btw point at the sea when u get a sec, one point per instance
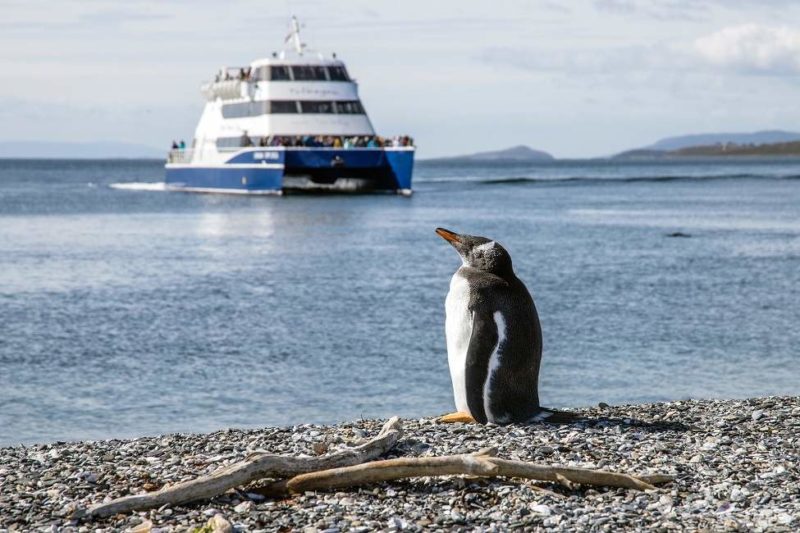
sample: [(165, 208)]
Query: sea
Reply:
[(126, 310)]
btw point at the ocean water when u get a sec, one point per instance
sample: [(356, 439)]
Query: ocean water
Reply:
[(126, 310)]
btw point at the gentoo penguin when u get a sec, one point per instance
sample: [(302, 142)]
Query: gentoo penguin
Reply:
[(494, 340)]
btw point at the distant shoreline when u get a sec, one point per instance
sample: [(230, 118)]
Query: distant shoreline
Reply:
[(615, 159)]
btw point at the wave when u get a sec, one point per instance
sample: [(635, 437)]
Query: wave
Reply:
[(140, 186), (521, 180)]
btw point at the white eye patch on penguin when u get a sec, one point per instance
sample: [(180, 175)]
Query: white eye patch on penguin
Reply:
[(479, 252)]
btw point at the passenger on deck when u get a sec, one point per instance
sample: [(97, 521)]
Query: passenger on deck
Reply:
[(348, 143), (246, 140), (337, 142), (182, 145), (372, 143), (174, 145)]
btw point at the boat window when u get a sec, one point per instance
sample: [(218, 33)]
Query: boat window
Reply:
[(261, 73), (245, 109), (283, 106), (309, 72), (314, 106), (349, 108), (254, 109), (337, 74), (279, 73), (230, 142)]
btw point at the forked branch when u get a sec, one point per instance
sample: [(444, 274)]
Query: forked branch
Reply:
[(256, 466)]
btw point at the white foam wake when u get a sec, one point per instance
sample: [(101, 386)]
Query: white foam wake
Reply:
[(140, 186)]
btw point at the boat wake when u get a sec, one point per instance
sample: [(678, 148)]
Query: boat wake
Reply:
[(140, 186)]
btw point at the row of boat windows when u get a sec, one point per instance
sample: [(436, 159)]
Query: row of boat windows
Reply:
[(253, 109), (300, 73)]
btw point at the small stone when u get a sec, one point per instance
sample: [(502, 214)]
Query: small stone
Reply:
[(737, 495), (726, 507), (757, 414), (244, 507), (541, 509), (396, 522), (319, 448), (144, 527), (219, 524)]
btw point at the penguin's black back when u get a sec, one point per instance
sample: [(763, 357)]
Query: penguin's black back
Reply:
[(513, 394)]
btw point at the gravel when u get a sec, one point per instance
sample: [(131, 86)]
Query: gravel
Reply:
[(736, 464)]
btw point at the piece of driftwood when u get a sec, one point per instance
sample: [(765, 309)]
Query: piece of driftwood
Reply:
[(480, 464), (280, 488), (255, 466)]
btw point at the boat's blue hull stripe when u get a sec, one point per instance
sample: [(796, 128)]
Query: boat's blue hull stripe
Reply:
[(226, 178), (263, 169)]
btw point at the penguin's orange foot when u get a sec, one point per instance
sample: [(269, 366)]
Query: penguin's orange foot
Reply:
[(460, 416)]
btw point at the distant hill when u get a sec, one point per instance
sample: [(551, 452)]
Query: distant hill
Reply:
[(515, 153), (729, 149), (708, 139), (78, 150), (705, 143)]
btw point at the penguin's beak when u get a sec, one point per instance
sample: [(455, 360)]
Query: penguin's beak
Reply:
[(448, 235)]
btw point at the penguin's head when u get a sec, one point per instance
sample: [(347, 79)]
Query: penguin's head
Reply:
[(479, 252)]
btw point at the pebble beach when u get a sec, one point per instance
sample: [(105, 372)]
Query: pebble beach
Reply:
[(736, 464)]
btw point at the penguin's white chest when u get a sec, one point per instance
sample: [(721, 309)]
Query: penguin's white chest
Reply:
[(458, 330)]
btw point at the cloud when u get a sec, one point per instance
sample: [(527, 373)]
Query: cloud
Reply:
[(657, 9), (691, 10), (752, 48), (609, 61)]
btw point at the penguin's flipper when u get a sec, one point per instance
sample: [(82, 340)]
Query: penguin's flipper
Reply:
[(482, 344), (460, 416)]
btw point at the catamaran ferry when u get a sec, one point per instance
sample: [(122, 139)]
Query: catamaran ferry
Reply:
[(286, 122)]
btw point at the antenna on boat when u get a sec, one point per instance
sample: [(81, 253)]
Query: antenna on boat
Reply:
[(294, 36)]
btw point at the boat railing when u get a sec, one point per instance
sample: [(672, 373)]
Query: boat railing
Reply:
[(180, 156)]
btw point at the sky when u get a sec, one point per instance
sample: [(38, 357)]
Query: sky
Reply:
[(577, 78)]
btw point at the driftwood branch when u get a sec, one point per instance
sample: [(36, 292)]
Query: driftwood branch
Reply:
[(280, 488), (256, 466), (469, 464), (350, 467)]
